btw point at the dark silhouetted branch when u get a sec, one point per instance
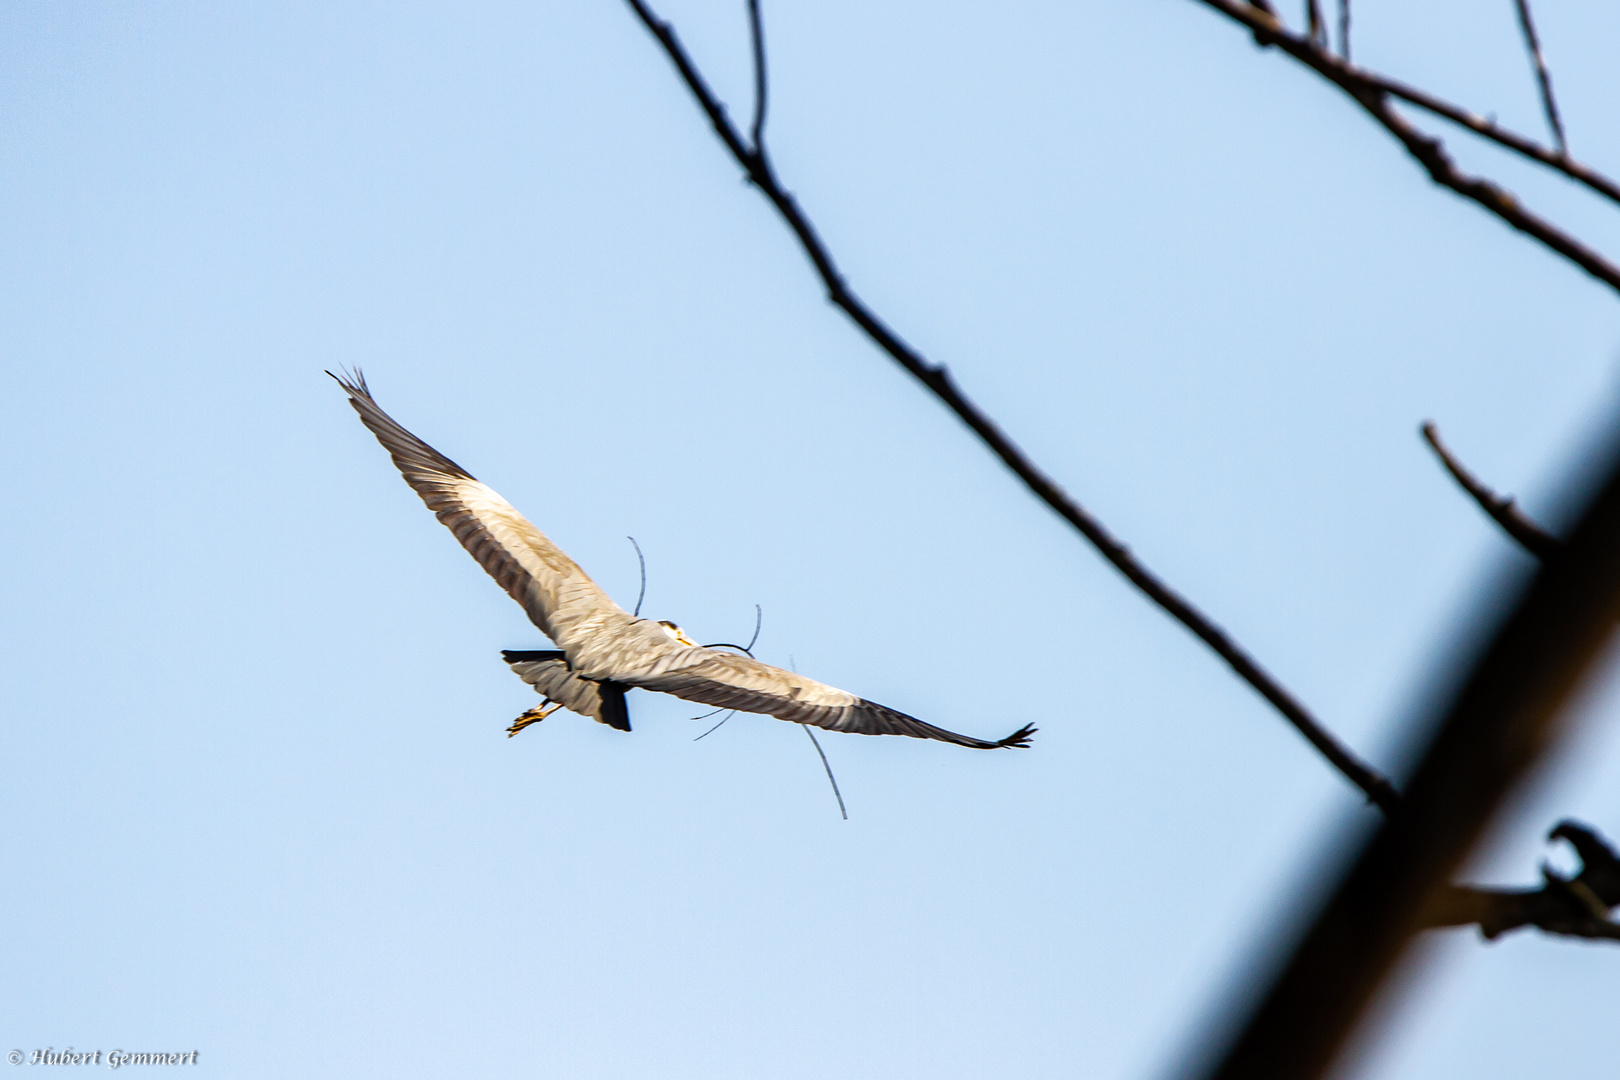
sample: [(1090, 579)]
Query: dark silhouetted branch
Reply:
[(756, 33), (1577, 907), (1317, 31), (1532, 537), (1532, 45), (1268, 30), (1373, 93), (1488, 129), (756, 163), (1503, 717)]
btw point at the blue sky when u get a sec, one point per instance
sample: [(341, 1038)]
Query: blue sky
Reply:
[(260, 801)]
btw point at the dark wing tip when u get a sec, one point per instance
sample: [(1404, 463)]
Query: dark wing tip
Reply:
[(518, 656), (1020, 738), (354, 383), (615, 712), (413, 456)]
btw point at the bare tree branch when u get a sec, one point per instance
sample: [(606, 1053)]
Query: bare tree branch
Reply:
[(1504, 716), (1268, 30), (1373, 92), (756, 30), (1316, 24), (1532, 537), (1576, 907), (1533, 45), (756, 162), (1344, 30), (1430, 152), (1504, 137)]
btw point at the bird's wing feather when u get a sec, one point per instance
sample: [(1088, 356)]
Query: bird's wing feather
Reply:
[(558, 596), (745, 684)]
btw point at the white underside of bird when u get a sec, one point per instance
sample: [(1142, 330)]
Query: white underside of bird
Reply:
[(603, 650)]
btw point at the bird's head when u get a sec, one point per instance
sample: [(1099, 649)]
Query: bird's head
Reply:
[(676, 632)]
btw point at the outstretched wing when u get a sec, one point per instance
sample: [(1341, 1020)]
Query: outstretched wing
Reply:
[(559, 597), (745, 684)]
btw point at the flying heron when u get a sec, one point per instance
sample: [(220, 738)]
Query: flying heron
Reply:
[(603, 650)]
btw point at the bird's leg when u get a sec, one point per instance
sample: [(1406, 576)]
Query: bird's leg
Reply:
[(533, 716)]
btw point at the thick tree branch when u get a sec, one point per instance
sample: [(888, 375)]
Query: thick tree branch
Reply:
[(1504, 716), (1373, 93), (1576, 907), (938, 381), (1532, 45), (1532, 537)]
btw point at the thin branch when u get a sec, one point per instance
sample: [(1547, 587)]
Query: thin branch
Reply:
[(1344, 30), (1316, 24), (1506, 713), (756, 29), (938, 381), (1488, 129), (1269, 30), (1372, 92), (1532, 537), (831, 779), (1430, 152), (1533, 45)]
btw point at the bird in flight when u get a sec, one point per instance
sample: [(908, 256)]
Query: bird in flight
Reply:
[(602, 650)]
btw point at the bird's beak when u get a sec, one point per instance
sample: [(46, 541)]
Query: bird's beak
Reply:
[(684, 640)]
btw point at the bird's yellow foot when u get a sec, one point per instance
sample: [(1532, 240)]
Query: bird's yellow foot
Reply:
[(533, 716)]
